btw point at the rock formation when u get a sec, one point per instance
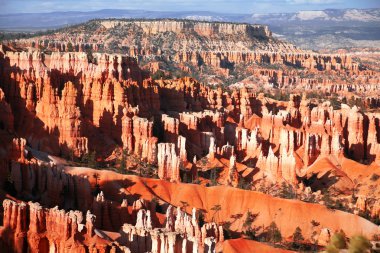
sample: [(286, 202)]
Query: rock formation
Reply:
[(62, 112), (168, 162)]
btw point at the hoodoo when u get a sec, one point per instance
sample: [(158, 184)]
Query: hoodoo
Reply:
[(179, 136)]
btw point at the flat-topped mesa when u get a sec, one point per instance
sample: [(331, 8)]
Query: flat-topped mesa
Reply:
[(201, 27)]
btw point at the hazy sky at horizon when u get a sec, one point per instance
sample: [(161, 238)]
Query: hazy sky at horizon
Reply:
[(224, 6)]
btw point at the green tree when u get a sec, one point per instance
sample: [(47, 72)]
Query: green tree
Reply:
[(97, 186), (329, 201), (158, 75), (92, 163), (201, 218), (70, 47), (227, 229), (331, 249), (314, 234), (287, 191), (359, 244), (213, 177), (274, 234), (339, 240), (243, 184), (90, 56), (216, 209), (247, 225), (89, 159), (123, 161), (248, 220), (297, 237), (72, 155), (352, 101), (184, 178), (335, 103)]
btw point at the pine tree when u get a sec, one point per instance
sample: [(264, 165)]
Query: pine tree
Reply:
[(92, 163), (123, 161), (297, 237), (70, 47), (339, 240), (274, 234), (216, 209), (247, 225)]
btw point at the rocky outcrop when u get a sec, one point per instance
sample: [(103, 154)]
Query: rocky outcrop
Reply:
[(51, 185), (137, 137), (355, 134), (74, 109), (6, 115), (30, 227), (70, 99), (18, 150), (186, 26), (181, 233), (269, 164), (232, 177), (77, 103), (373, 139), (168, 162)]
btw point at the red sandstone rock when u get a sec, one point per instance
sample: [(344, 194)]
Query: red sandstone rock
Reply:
[(138, 139), (168, 162), (44, 229), (62, 104)]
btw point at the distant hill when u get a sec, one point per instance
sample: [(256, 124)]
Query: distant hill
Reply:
[(327, 29), (329, 15), (332, 28), (216, 52), (37, 21)]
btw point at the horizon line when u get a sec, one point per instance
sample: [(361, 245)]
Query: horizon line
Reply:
[(183, 11)]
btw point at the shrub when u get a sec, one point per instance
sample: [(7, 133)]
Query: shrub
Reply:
[(339, 240), (359, 244), (374, 177), (158, 75), (331, 249)]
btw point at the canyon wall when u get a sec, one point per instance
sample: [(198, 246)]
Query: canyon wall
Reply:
[(65, 105)]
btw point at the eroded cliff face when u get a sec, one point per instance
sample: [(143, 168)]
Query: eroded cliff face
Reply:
[(66, 100), (30, 227), (69, 103), (64, 105), (126, 218), (216, 53), (186, 26)]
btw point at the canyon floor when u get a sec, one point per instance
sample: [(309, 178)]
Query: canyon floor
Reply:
[(168, 135)]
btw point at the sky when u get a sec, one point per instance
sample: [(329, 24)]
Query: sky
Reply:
[(223, 6)]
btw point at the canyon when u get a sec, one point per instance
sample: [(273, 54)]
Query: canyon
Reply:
[(216, 53), (98, 155)]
